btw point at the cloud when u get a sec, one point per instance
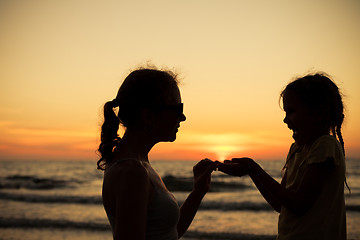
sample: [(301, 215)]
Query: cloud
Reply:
[(30, 142)]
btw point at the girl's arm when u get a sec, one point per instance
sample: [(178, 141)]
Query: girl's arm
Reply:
[(276, 194), (202, 178), (128, 193), (266, 192)]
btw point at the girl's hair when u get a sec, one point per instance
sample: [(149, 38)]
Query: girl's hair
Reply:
[(317, 91), (142, 88)]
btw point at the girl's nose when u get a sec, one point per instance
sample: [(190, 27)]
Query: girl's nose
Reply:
[(285, 119)]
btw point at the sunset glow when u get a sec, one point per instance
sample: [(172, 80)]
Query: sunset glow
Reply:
[(60, 61)]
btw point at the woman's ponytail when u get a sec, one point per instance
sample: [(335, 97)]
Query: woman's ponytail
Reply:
[(109, 134)]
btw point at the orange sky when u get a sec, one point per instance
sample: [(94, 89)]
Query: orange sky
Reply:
[(60, 61)]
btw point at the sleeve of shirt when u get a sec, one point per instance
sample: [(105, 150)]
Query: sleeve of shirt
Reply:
[(325, 149)]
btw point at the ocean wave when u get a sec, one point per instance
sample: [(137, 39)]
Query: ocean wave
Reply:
[(183, 184), (229, 236), (34, 198), (235, 206), (205, 205), (31, 182), (174, 184), (24, 223), (50, 223)]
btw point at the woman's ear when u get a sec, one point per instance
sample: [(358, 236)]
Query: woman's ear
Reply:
[(147, 120), (146, 116)]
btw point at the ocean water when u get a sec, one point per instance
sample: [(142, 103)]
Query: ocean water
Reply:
[(62, 200)]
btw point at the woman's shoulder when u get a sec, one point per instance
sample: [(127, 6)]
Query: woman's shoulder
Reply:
[(127, 169), (126, 180)]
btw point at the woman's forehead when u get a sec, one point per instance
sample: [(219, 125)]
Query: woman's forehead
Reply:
[(173, 96)]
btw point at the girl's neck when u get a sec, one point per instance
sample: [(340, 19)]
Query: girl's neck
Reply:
[(307, 146)]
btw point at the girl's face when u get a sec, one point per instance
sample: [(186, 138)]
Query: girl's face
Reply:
[(304, 122)]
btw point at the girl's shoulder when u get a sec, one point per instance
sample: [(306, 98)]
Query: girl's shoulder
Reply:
[(326, 139), (326, 148), (325, 142)]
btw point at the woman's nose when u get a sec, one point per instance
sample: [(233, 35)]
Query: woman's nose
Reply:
[(182, 117)]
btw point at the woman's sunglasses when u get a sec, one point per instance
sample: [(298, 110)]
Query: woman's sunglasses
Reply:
[(179, 108)]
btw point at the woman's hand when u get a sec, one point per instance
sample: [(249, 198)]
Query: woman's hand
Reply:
[(202, 175), (237, 166), (202, 178)]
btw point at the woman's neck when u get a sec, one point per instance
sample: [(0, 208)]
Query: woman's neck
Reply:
[(134, 145)]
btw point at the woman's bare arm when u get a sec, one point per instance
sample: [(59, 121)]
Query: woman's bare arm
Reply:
[(202, 178)]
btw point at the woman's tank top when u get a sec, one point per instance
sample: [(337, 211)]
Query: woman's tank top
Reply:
[(163, 210)]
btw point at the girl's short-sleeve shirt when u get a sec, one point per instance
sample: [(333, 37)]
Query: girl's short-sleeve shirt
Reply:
[(326, 218)]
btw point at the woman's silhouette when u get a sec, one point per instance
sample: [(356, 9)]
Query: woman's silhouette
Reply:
[(137, 202)]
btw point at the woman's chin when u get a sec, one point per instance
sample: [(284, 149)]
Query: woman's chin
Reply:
[(168, 138)]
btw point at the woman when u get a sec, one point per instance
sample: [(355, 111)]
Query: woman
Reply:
[(136, 201)]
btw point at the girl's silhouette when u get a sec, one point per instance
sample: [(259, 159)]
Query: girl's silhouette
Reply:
[(310, 198)]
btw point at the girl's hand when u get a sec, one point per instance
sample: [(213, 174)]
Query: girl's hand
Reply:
[(236, 166), (202, 175)]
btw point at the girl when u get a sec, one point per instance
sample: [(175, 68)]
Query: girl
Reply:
[(310, 198), (136, 201)]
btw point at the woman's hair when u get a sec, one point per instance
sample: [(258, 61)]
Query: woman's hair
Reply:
[(142, 88), (318, 91)]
